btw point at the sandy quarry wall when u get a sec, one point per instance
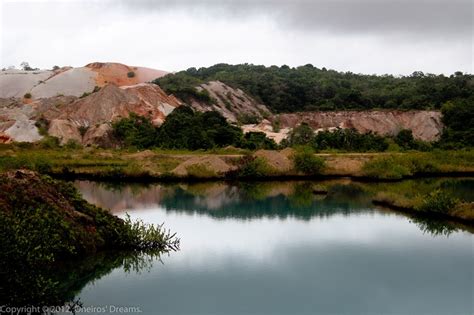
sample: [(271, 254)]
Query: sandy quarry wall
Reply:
[(426, 125)]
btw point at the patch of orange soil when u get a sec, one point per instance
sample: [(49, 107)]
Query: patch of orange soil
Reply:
[(116, 73)]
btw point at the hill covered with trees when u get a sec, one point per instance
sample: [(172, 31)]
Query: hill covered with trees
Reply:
[(307, 88)]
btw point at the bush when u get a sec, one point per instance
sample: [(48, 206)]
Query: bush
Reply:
[(131, 74), (349, 140), (72, 145), (385, 168), (438, 201), (252, 167), (301, 135), (307, 163), (49, 142), (405, 139), (135, 131), (43, 125), (35, 162), (256, 141), (27, 95)]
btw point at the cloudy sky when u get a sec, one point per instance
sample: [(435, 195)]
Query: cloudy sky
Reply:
[(362, 36)]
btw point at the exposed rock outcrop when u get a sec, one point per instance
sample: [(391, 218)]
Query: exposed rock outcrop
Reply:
[(233, 104), (426, 125), (85, 120), (94, 120)]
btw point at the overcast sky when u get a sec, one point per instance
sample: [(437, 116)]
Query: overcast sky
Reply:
[(367, 36)]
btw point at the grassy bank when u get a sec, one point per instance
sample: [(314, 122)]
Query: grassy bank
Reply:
[(433, 198), (46, 223), (162, 165)]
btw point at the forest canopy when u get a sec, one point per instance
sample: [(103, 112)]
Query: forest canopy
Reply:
[(307, 88)]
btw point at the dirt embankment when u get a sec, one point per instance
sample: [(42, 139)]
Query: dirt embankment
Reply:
[(426, 125)]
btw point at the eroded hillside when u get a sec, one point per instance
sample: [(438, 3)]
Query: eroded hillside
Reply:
[(81, 103)]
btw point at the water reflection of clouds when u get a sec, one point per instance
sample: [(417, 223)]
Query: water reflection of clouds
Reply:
[(259, 240), (366, 263), (265, 254)]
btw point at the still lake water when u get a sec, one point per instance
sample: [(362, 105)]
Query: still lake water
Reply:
[(277, 248)]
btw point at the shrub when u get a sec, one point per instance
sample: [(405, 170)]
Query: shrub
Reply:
[(385, 167), (49, 142), (301, 135), (248, 119), (136, 131), (83, 130), (405, 139), (43, 125), (257, 140), (252, 167), (145, 237), (27, 95), (72, 144), (131, 74), (42, 165), (438, 201), (349, 140), (307, 163)]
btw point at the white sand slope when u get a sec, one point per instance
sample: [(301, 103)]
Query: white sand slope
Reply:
[(16, 83), (72, 81)]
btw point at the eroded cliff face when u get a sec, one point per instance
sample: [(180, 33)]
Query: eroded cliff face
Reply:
[(86, 120), (234, 104), (426, 125)]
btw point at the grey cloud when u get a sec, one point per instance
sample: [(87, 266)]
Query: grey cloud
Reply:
[(419, 17)]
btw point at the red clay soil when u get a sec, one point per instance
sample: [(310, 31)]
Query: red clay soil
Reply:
[(116, 73)]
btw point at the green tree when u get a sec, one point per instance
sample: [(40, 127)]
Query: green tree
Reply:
[(301, 135), (135, 131)]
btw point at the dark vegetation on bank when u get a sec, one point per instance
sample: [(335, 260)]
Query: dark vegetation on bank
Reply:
[(430, 199), (190, 130), (305, 88), (185, 129), (46, 223)]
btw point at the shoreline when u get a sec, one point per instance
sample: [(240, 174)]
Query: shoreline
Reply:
[(169, 178), (411, 211)]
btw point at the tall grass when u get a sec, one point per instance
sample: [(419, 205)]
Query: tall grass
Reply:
[(398, 166)]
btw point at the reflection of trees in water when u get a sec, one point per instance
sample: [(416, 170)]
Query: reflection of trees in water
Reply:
[(267, 199), (435, 227), (59, 284), (246, 200)]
